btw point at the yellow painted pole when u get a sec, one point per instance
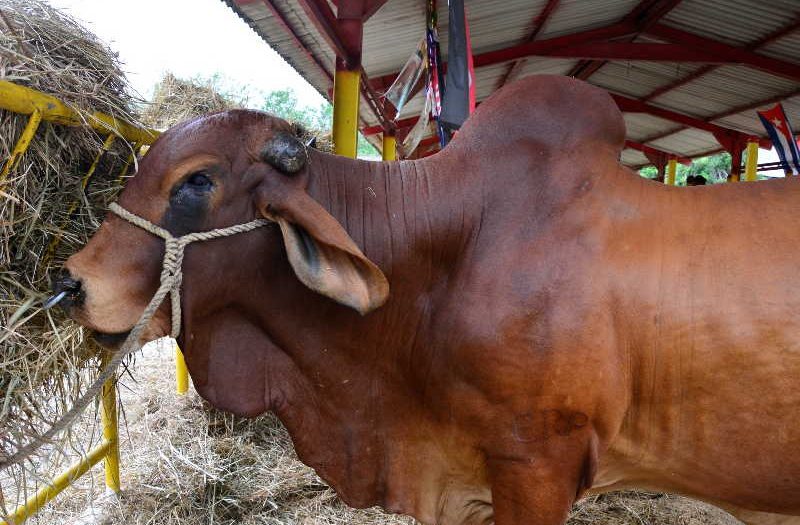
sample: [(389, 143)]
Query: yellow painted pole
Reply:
[(27, 101), (181, 372), (345, 112), (672, 170), (51, 248), (751, 165), (59, 483), (103, 150), (22, 145), (124, 171), (389, 147), (111, 434)]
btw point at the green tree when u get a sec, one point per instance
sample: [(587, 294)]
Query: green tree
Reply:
[(714, 168), (283, 103)]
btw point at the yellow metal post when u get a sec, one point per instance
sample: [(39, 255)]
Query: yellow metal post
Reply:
[(51, 248), (389, 147), (27, 101), (39, 106), (751, 165), (672, 170), (345, 112), (111, 434), (22, 144), (181, 373), (59, 483)]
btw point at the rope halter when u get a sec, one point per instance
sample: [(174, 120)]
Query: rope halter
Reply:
[(171, 270), (171, 277)]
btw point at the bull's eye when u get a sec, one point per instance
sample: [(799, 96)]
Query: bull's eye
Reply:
[(198, 181)]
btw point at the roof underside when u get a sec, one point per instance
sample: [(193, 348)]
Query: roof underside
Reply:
[(747, 57)]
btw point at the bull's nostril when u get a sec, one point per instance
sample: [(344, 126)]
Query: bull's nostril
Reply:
[(66, 291), (66, 283), (70, 285)]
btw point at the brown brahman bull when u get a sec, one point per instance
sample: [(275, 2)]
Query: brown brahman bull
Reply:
[(484, 335)]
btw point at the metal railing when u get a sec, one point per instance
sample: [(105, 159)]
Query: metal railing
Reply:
[(42, 107)]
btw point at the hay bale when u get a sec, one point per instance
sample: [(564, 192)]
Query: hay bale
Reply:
[(175, 100), (44, 358)]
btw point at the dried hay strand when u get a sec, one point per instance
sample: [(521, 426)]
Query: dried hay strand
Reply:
[(175, 100), (185, 463), (46, 214)]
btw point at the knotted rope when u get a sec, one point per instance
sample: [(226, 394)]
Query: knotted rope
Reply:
[(170, 283)]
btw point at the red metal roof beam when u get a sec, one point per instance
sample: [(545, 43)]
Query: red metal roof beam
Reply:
[(343, 32), (281, 21), (649, 12), (728, 52), (780, 33), (763, 143), (645, 14), (631, 105), (402, 123), (537, 47), (538, 23), (640, 51), (543, 47), (649, 150)]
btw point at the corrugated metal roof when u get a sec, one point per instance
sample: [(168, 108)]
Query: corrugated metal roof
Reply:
[(405, 22), (637, 79), (641, 125), (736, 22), (787, 48), (689, 142), (579, 15), (393, 33), (631, 157)]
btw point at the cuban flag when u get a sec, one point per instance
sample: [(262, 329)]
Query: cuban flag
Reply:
[(780, 131)]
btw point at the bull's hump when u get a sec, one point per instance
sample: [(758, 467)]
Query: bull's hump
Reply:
[(556, 111)]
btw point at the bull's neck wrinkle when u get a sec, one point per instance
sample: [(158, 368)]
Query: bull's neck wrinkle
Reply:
[(388, 208)]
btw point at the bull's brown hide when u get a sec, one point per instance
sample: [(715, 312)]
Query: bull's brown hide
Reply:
[(554, 322)]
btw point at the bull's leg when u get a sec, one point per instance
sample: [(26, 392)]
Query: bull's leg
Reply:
[(530, 493), (539, 485), (540, 489)]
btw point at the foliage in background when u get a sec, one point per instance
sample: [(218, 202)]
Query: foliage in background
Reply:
[(714, 168), (284, 103), (281, 102)]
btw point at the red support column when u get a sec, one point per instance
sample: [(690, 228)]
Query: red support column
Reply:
[(659, 160), (734, 143)]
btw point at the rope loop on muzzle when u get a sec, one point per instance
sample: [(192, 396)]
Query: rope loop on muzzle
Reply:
[(171, 270), (170, 283)]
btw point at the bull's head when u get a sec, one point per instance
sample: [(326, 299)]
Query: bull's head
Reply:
[(214, 172)]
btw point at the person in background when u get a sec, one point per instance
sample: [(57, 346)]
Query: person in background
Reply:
[(696, 180)]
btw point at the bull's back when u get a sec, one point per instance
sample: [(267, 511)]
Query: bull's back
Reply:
[(711, 294)]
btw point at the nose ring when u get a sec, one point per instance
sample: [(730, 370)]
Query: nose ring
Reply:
[(54, 300)]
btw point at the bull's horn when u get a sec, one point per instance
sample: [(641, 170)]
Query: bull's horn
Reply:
[(285, 153)]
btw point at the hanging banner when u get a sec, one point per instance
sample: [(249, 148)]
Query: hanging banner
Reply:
[(435, 75), (459, 102), (420, 129), (780, 131), (402, 87)]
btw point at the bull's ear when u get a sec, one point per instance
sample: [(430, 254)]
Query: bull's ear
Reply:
[(321, 253)]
